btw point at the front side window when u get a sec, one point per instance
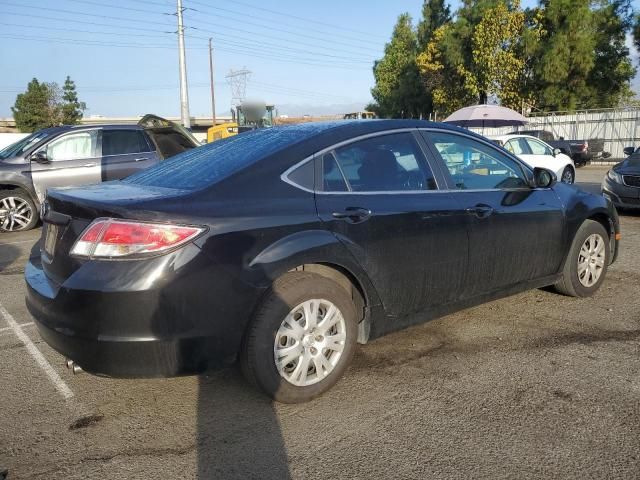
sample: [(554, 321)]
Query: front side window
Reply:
[(392, 162), (474, 165), (123, 142), (538, 148), (75, 146), (517, 146)]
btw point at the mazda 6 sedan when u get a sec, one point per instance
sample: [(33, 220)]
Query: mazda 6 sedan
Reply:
[(285, 247)]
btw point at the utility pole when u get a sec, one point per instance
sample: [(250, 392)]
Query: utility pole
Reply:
[(213, 96), (184, 93)]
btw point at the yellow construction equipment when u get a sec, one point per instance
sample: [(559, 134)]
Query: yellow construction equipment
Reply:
[(245, 117)]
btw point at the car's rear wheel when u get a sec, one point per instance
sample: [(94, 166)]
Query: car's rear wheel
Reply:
[(568, 175), (17, 211), (586, 265), (301, 339)]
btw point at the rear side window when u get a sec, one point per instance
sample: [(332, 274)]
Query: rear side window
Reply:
[(303, 175), (391, 162), (122, 142)]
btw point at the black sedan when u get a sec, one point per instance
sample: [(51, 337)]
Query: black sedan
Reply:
[(285, 247), (622, 183)]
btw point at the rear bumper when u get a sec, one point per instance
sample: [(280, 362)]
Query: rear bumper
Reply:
[(166, 330)]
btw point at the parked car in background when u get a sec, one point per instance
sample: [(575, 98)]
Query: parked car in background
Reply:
[(580, 151), (536, 153), (284, 247), (81, 154), (621, 184)]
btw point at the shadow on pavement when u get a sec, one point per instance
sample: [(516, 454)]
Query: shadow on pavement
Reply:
[(238, 430)]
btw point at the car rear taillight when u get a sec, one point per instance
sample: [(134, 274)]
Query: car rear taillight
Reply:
[(584, 147), (111, 238)]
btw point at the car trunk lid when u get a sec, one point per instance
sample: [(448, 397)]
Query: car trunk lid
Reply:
[(68, 212), (168, 137)]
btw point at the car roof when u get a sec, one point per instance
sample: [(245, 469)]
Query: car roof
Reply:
[(509, 136)]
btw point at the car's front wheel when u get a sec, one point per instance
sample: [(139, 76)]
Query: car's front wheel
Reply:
[(301, 339), (568, 175), (17, 211), (586, 265)]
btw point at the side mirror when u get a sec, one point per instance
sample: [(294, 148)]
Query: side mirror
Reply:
[(556, 151), (543, 178), (628, 150), (40, 157)]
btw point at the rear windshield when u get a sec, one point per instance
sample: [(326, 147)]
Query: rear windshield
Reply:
[(206, 165)]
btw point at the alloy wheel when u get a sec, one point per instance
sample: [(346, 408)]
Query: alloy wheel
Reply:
[(309, 342), (15, 214), (591, 260), (567, 176)]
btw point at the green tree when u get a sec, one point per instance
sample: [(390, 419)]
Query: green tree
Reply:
[(398, 91), (477, 57), (31, 110), (566, 54), (609, 79), (435, 13), (71, 108), (636, 32)]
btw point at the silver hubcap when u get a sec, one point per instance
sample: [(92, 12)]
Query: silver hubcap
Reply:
[(567, 176), (309, 342), (15, 213), (591, 260)]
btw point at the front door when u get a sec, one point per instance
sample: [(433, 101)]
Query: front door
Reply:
[(516, 232), (71, 159), (379, 197), (124, 152)]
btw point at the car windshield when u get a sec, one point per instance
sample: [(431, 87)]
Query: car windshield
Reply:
[(203, 166), (23, 145)]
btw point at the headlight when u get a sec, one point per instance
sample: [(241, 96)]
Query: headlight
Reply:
[(614, 176)]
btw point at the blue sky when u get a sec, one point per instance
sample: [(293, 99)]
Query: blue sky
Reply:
[(123, 56)]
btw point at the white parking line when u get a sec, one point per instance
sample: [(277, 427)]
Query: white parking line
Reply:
[(27, 324), (62, 387)]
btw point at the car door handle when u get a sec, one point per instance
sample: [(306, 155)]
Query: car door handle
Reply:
[(480, 210), (140, 159), (353, 214), (88, 165)]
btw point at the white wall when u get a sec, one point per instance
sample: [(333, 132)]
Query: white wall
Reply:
[(618, 127), (9, 138)]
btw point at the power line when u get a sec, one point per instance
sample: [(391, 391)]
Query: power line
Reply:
[(96, 43), (246, 15), (262, 50)]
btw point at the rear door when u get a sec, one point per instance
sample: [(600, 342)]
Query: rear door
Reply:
[(125, 151), (72, 159), (379, 196), (516, 232)]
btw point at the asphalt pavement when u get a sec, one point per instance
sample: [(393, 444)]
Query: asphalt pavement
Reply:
[(537, 385)]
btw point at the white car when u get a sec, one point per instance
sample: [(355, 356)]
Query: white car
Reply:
[(535, 153)]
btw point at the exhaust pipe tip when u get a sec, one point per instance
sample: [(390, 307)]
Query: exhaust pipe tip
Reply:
[(73, 366)]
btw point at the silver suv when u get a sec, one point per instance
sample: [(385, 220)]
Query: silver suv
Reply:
[(73, 155)]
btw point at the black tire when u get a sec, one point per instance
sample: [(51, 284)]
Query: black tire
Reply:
[(8, 224), (570, 283), (257, 356), (568, 175)]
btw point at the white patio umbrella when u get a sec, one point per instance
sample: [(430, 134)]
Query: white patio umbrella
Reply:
[(485, 116)]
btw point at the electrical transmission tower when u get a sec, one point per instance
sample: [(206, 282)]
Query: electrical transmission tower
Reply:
[(238, 79)]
